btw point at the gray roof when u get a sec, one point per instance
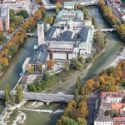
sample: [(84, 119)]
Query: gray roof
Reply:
[(67, 35), (102, 117), (40, 55), (84, 33)]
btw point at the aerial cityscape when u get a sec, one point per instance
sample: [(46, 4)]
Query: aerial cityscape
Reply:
[(62, 62)]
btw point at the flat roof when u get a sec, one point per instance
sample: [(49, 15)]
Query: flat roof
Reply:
[(40, 56), (60, 35), (66, 15), (60, 46)]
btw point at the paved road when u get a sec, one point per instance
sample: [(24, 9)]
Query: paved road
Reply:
[(91, 105)]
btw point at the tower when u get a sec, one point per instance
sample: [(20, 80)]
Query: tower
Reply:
[(40, 31), (7, 20)]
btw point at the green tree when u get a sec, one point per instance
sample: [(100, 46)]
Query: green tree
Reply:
[(13, 50), (7, 93), (78, 84), (12, 15), (19, 20), (79, 66), (81, 59), (2, 38), (23, 13), (49, 20), (76, 96), (82, 121), (19, 94)]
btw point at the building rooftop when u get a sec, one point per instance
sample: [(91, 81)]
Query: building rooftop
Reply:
[(102, 117), (61, 47), (66, 15), (112, 94), (40, 55), (68, 34)]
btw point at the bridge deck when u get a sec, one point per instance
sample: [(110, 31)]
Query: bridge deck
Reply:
[(44, 97)]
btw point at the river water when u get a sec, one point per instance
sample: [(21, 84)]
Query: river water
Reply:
[(12, 75)]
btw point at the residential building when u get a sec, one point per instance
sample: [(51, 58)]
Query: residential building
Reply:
[(109, 103)]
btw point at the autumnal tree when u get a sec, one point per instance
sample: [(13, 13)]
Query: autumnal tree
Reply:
[(50, 63), (58, 6), (49, 20), (83, 109), (30, 69), (121, 31)]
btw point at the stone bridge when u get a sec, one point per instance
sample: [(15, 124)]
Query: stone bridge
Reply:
[(44, 97)]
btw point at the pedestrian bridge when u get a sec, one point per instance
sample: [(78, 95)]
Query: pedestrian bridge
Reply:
[(31, 34), (44, 97), (105, 30)]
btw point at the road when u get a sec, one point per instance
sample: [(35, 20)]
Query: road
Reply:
[(91, 106)]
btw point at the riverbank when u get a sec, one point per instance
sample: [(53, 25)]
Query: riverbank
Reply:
[(112, 19), (119, 58)]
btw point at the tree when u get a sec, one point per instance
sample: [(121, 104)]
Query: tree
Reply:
[(7, 93), (79, 66), (78, 84), (19, 20), (82, 121), (12, 15), (83, 109), (39, 2), (66, 65), (76, 96), (71, 105), (50, 63), (99, 38), (49, 20), (2, 38), (81, 59), (23, 13), (30, 69), (13, 50), (66, 121), (121, 31), (58, 6), (19, 94)]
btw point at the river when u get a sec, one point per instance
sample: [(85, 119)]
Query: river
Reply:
[(12, 75)]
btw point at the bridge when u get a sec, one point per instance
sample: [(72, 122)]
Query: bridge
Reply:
[(89, 2), (43, 97), (105, 30), (31, 34)]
